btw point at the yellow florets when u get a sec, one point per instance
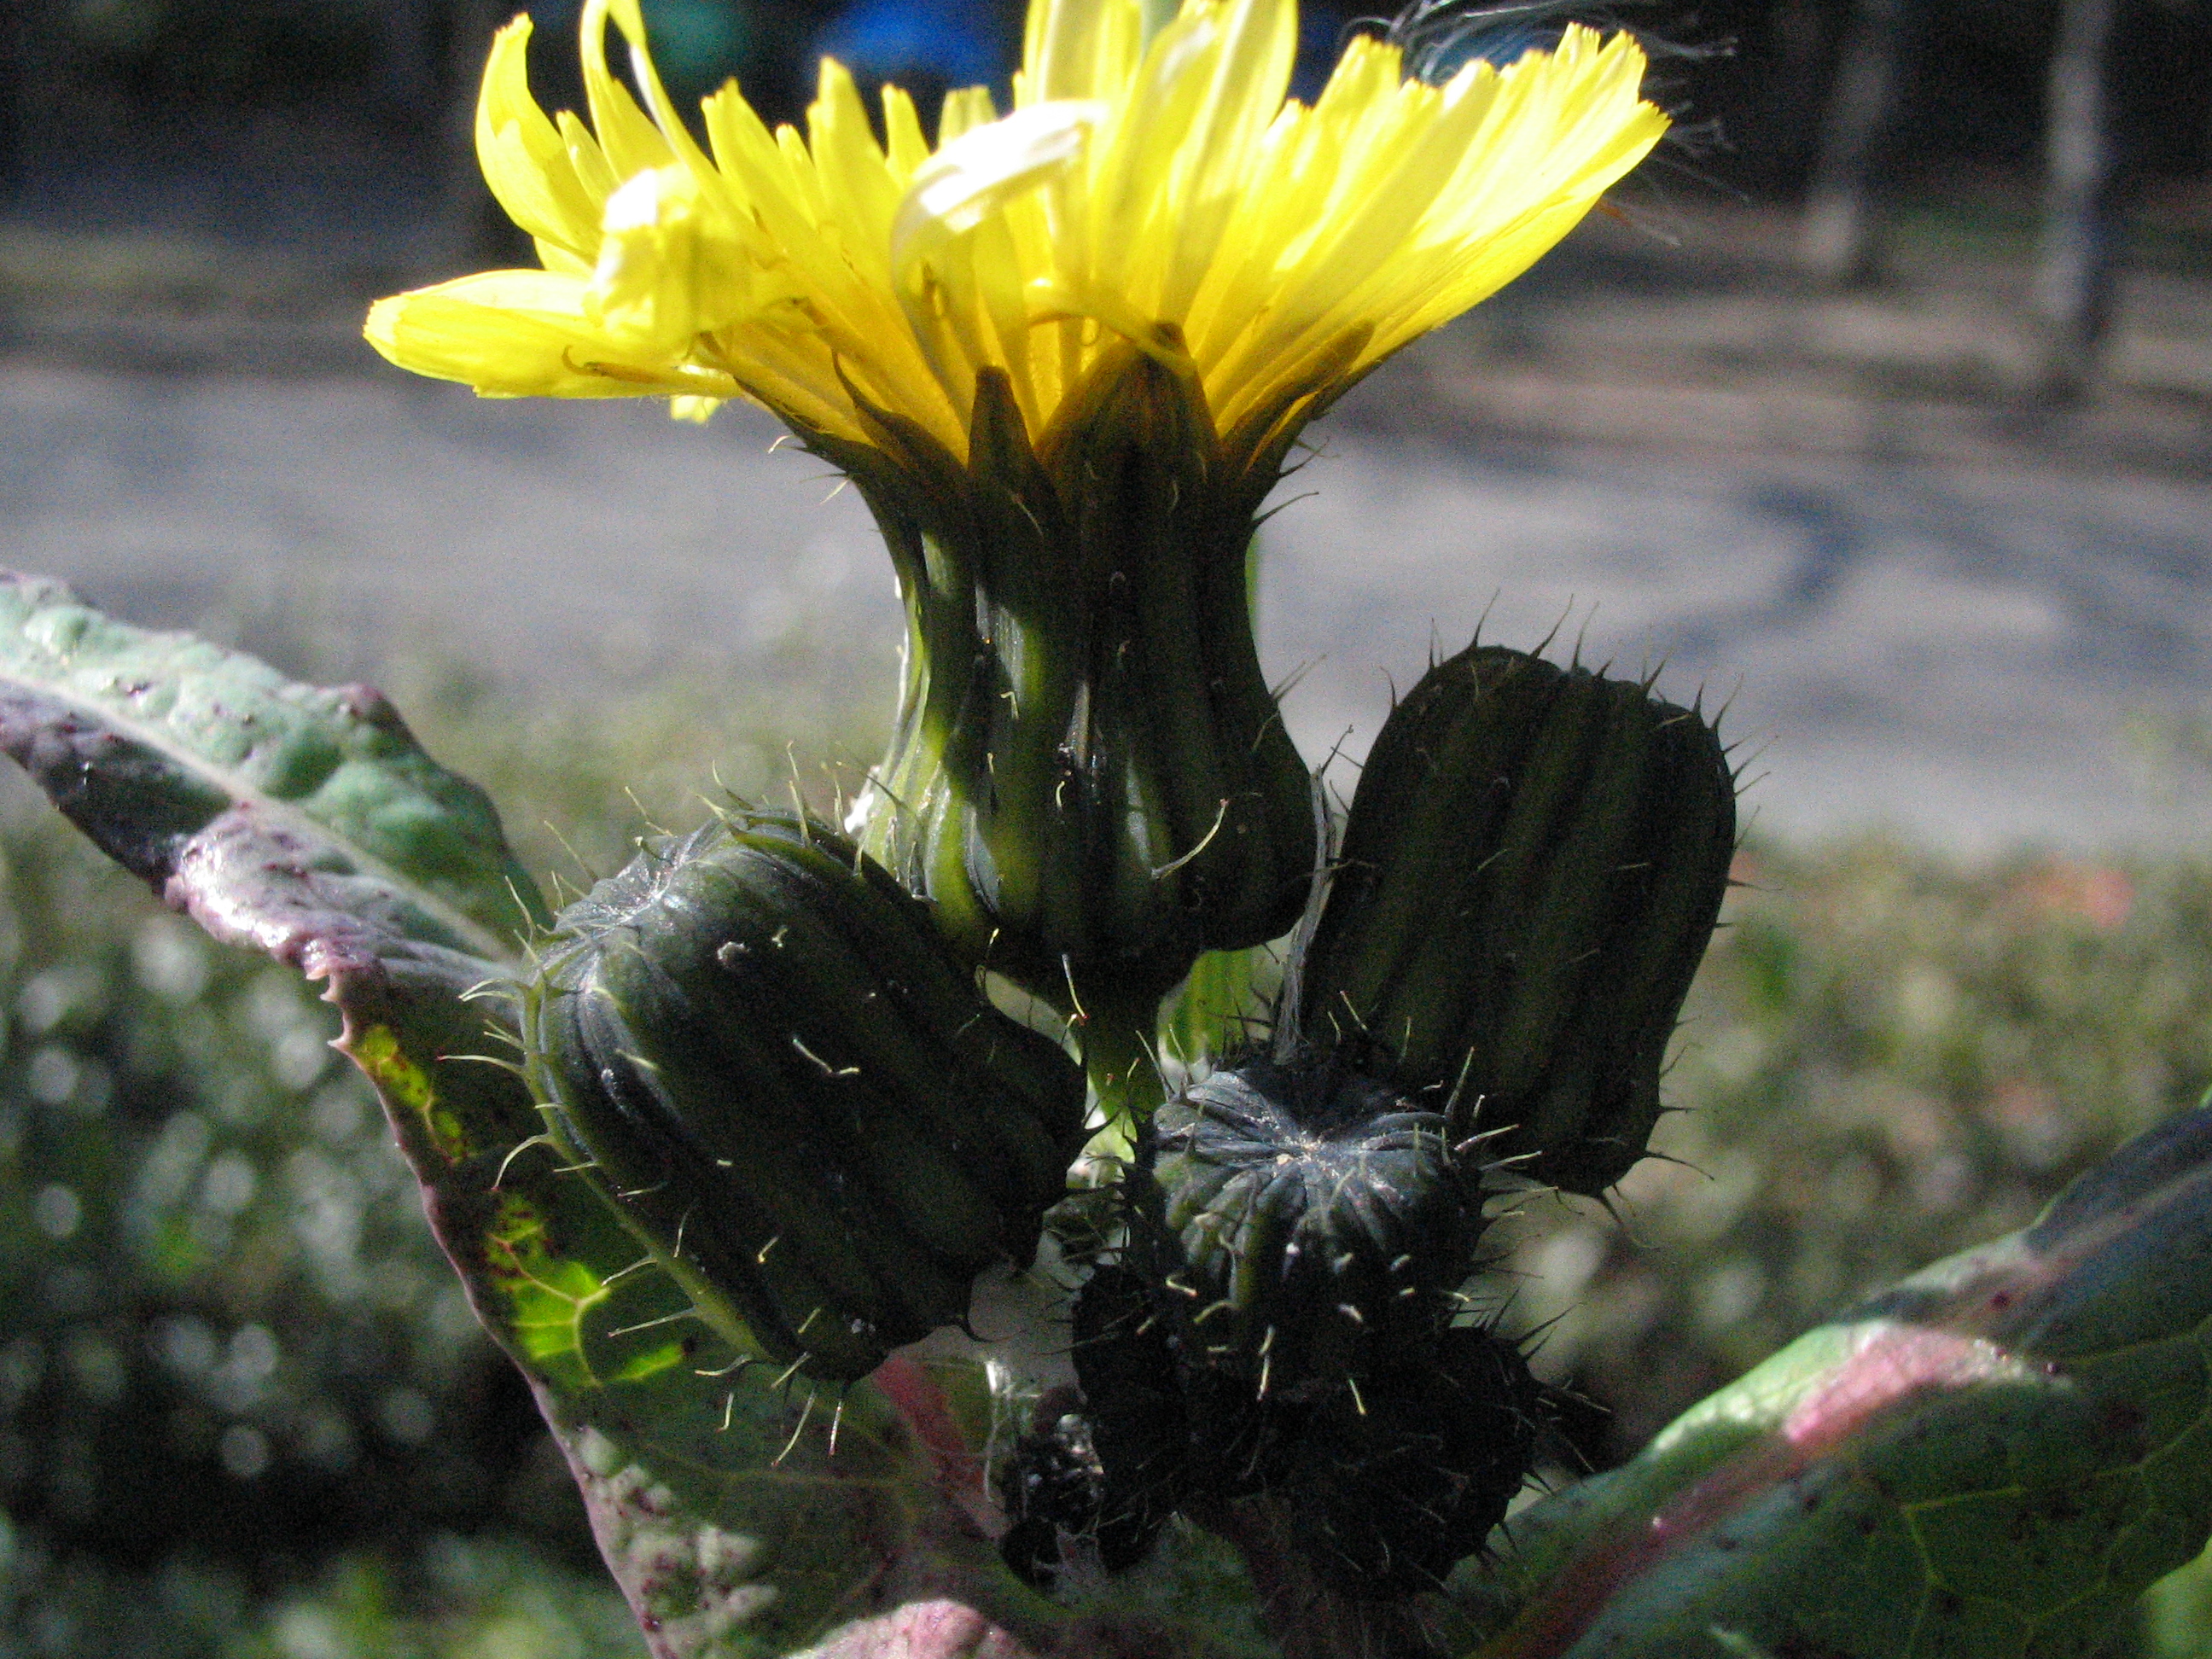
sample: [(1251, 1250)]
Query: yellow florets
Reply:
[(1162, 193)]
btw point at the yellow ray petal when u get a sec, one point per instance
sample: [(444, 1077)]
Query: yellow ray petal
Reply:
[(977, 173), (964, 107), (1080, 49), (632, 143), (522, 334), (524, 159)]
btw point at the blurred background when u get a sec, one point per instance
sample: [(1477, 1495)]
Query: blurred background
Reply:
[(1877, 408)]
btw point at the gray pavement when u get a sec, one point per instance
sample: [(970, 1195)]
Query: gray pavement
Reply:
[(1957, 649)]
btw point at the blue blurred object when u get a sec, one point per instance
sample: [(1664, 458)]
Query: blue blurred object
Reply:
[(1320, 35), (948, 42)]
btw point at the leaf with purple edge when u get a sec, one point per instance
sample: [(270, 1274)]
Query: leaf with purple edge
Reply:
[(303, 821), (740, 1517), (1996, 1457)]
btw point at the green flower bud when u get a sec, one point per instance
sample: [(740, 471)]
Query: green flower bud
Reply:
[(1311, 1215), (1089, 779), (1386, 1467), (1533, 862), (757, 1045)]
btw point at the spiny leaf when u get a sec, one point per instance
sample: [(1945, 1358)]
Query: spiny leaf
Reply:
[(741, 1515)]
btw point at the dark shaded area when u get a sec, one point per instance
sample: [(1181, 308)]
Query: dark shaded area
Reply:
[(1973, 93), (329, 138), (345, 122), (184, 183)]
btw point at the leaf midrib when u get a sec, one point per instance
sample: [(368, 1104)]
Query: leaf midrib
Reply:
[(479, 939)]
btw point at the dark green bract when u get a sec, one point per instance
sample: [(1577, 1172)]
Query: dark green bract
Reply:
[(1533, 863), (1089, 779), (758, 1046)]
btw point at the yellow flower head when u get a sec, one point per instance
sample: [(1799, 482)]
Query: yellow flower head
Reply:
[(1156, 194)]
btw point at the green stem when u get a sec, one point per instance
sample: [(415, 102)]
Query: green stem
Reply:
[(1120, 1052), (1308, 1619)]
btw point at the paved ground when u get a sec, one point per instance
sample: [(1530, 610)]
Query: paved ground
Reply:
[(1959, 648)]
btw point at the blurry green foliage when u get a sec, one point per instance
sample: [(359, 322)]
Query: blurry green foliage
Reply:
[(228, 1346), (454, 1598), (577, 784)]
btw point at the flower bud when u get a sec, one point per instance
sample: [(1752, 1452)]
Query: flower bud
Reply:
[(1389, 1453), (1125, 1359), (1312, 1215), (765, 1056), (1533, 862)]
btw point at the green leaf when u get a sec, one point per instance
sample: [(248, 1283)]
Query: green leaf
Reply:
[(300, 820), (1217, 1008), (1995, 1458), (742, 1516)]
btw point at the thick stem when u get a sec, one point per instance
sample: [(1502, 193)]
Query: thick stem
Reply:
[(1308, 1619), (1089, 776)]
